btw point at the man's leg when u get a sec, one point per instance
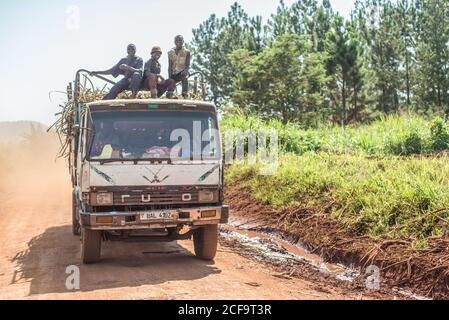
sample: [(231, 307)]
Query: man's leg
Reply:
[(168, 86), (119, 87), (185, 83), (135, 84), (185, 87), (176, 77), (151, 85), (171, 87)]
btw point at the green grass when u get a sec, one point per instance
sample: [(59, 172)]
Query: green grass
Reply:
[(377, 186), (392, 135), (391, 197)]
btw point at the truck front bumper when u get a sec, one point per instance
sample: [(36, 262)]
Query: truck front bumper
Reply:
[(137, 220)]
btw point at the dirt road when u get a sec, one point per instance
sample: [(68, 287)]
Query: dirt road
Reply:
[(37, 246)]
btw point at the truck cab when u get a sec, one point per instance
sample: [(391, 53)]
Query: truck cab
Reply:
[(147, 170)]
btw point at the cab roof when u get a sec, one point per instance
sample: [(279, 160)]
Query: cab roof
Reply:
[(149, 104)]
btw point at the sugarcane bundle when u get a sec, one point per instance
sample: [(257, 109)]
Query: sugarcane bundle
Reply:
[(64, 126)]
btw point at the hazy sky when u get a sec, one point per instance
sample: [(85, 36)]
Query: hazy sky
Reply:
[(42, 42)]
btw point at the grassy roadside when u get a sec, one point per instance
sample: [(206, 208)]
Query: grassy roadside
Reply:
[(393, 135), (384, 198), (376, 194), (388, 179)]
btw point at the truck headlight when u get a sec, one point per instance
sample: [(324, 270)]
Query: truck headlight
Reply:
[(102, 199), (206, 196)]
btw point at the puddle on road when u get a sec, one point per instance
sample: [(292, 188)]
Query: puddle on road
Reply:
[(411, 295), (271, 246)]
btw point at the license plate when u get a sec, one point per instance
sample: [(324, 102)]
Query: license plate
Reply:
[(156, 215)]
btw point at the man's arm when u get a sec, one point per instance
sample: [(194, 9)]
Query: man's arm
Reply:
[(170, 67), (114, 71), (147, 69), (188, 61), (138, 67), (185, 72), (130, 69), (106, 72), (152, 67)]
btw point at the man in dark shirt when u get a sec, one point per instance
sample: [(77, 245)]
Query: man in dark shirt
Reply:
[(131, 68), (153, 79)]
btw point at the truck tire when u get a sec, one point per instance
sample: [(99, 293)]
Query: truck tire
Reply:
[(90, 246), (205, 242), (76, 227)]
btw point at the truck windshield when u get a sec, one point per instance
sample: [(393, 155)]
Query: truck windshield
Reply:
[(135, 135)]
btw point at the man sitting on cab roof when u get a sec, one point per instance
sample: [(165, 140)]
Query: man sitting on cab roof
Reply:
[(131, 68), (179, 64), (154, 82)]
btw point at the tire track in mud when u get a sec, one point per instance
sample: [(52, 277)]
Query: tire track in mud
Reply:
[(253, 233), (289, 261)]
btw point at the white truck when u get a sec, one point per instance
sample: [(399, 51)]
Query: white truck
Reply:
[(147, 170)]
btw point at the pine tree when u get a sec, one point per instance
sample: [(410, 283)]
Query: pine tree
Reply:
[(406, 18), (215, 39), (285, 81), (390, 55), (433, 54)]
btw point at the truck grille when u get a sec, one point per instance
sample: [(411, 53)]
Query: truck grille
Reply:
[(155, 198)]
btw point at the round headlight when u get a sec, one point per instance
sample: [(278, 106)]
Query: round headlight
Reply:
[(105, 198), (206, 196)]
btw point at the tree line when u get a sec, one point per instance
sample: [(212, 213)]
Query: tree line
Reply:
[(307, 63)]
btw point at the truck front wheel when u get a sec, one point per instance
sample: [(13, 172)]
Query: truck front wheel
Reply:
[(205, 241), (90, 246)]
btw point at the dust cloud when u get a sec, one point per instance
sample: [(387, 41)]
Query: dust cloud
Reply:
[(29, 168)]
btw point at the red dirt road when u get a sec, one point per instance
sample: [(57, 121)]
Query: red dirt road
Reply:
[(37, 246)]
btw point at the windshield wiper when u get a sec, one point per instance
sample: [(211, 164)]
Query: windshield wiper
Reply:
[(103, 161), (136, 161), (153, 160)]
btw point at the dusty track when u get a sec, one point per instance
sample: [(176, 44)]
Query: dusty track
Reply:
[(37, 246)]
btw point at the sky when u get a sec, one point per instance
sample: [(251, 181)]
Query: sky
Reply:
[(43, 43)]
